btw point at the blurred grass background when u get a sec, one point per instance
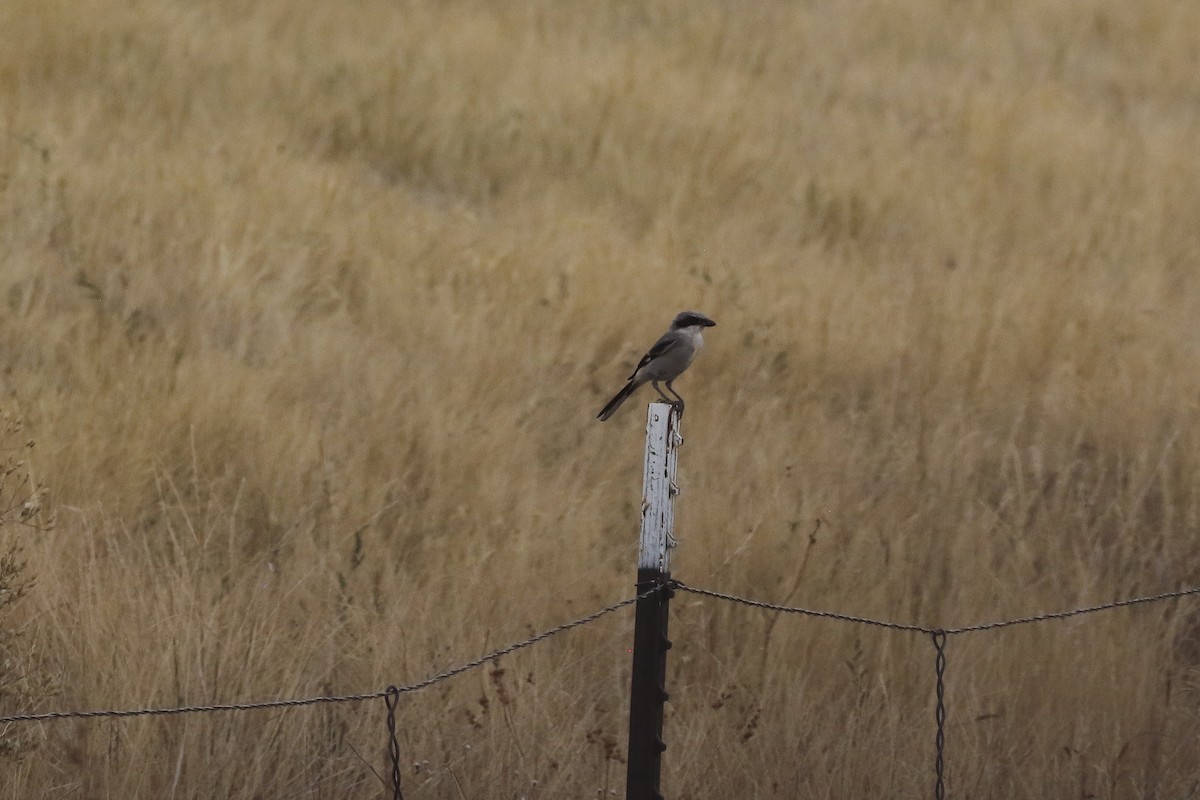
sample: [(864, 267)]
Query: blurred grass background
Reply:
[(310, 307)]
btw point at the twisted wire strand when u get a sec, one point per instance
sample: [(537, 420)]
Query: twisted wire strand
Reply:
[(343, 698), (392, 699), (939, 716)]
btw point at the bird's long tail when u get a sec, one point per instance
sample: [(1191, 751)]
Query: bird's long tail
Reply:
[(615, 403)]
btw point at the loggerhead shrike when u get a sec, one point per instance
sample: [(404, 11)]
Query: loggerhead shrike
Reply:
[(665, 361)]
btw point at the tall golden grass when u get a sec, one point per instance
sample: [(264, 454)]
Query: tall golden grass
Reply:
[(310, 305)]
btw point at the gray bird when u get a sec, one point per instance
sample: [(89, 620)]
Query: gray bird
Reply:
[(665, 361)]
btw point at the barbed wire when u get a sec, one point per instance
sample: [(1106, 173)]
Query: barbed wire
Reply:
[(984, 626), (939, 636), (675, 584), (392, 693), (1133, 601), (343, 698), (808, 612)]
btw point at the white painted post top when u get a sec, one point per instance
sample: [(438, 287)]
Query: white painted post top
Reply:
[(659, 487)]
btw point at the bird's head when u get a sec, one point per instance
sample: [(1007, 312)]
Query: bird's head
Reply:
[(688, 319)]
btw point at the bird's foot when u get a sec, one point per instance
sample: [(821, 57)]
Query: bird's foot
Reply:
[(678, 406)]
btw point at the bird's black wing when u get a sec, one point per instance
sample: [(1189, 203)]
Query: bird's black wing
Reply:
[(664, 344)]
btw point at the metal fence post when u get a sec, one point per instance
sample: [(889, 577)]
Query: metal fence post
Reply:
[(648, 691)]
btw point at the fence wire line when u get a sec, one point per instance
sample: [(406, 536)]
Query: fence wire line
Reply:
[(808, 612), (461, 668), (344, 698), (984, 626)]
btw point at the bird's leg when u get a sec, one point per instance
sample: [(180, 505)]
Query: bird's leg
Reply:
[(660, 392), (679, 403)]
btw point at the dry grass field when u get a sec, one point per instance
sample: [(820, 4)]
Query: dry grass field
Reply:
[(310, 306)]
